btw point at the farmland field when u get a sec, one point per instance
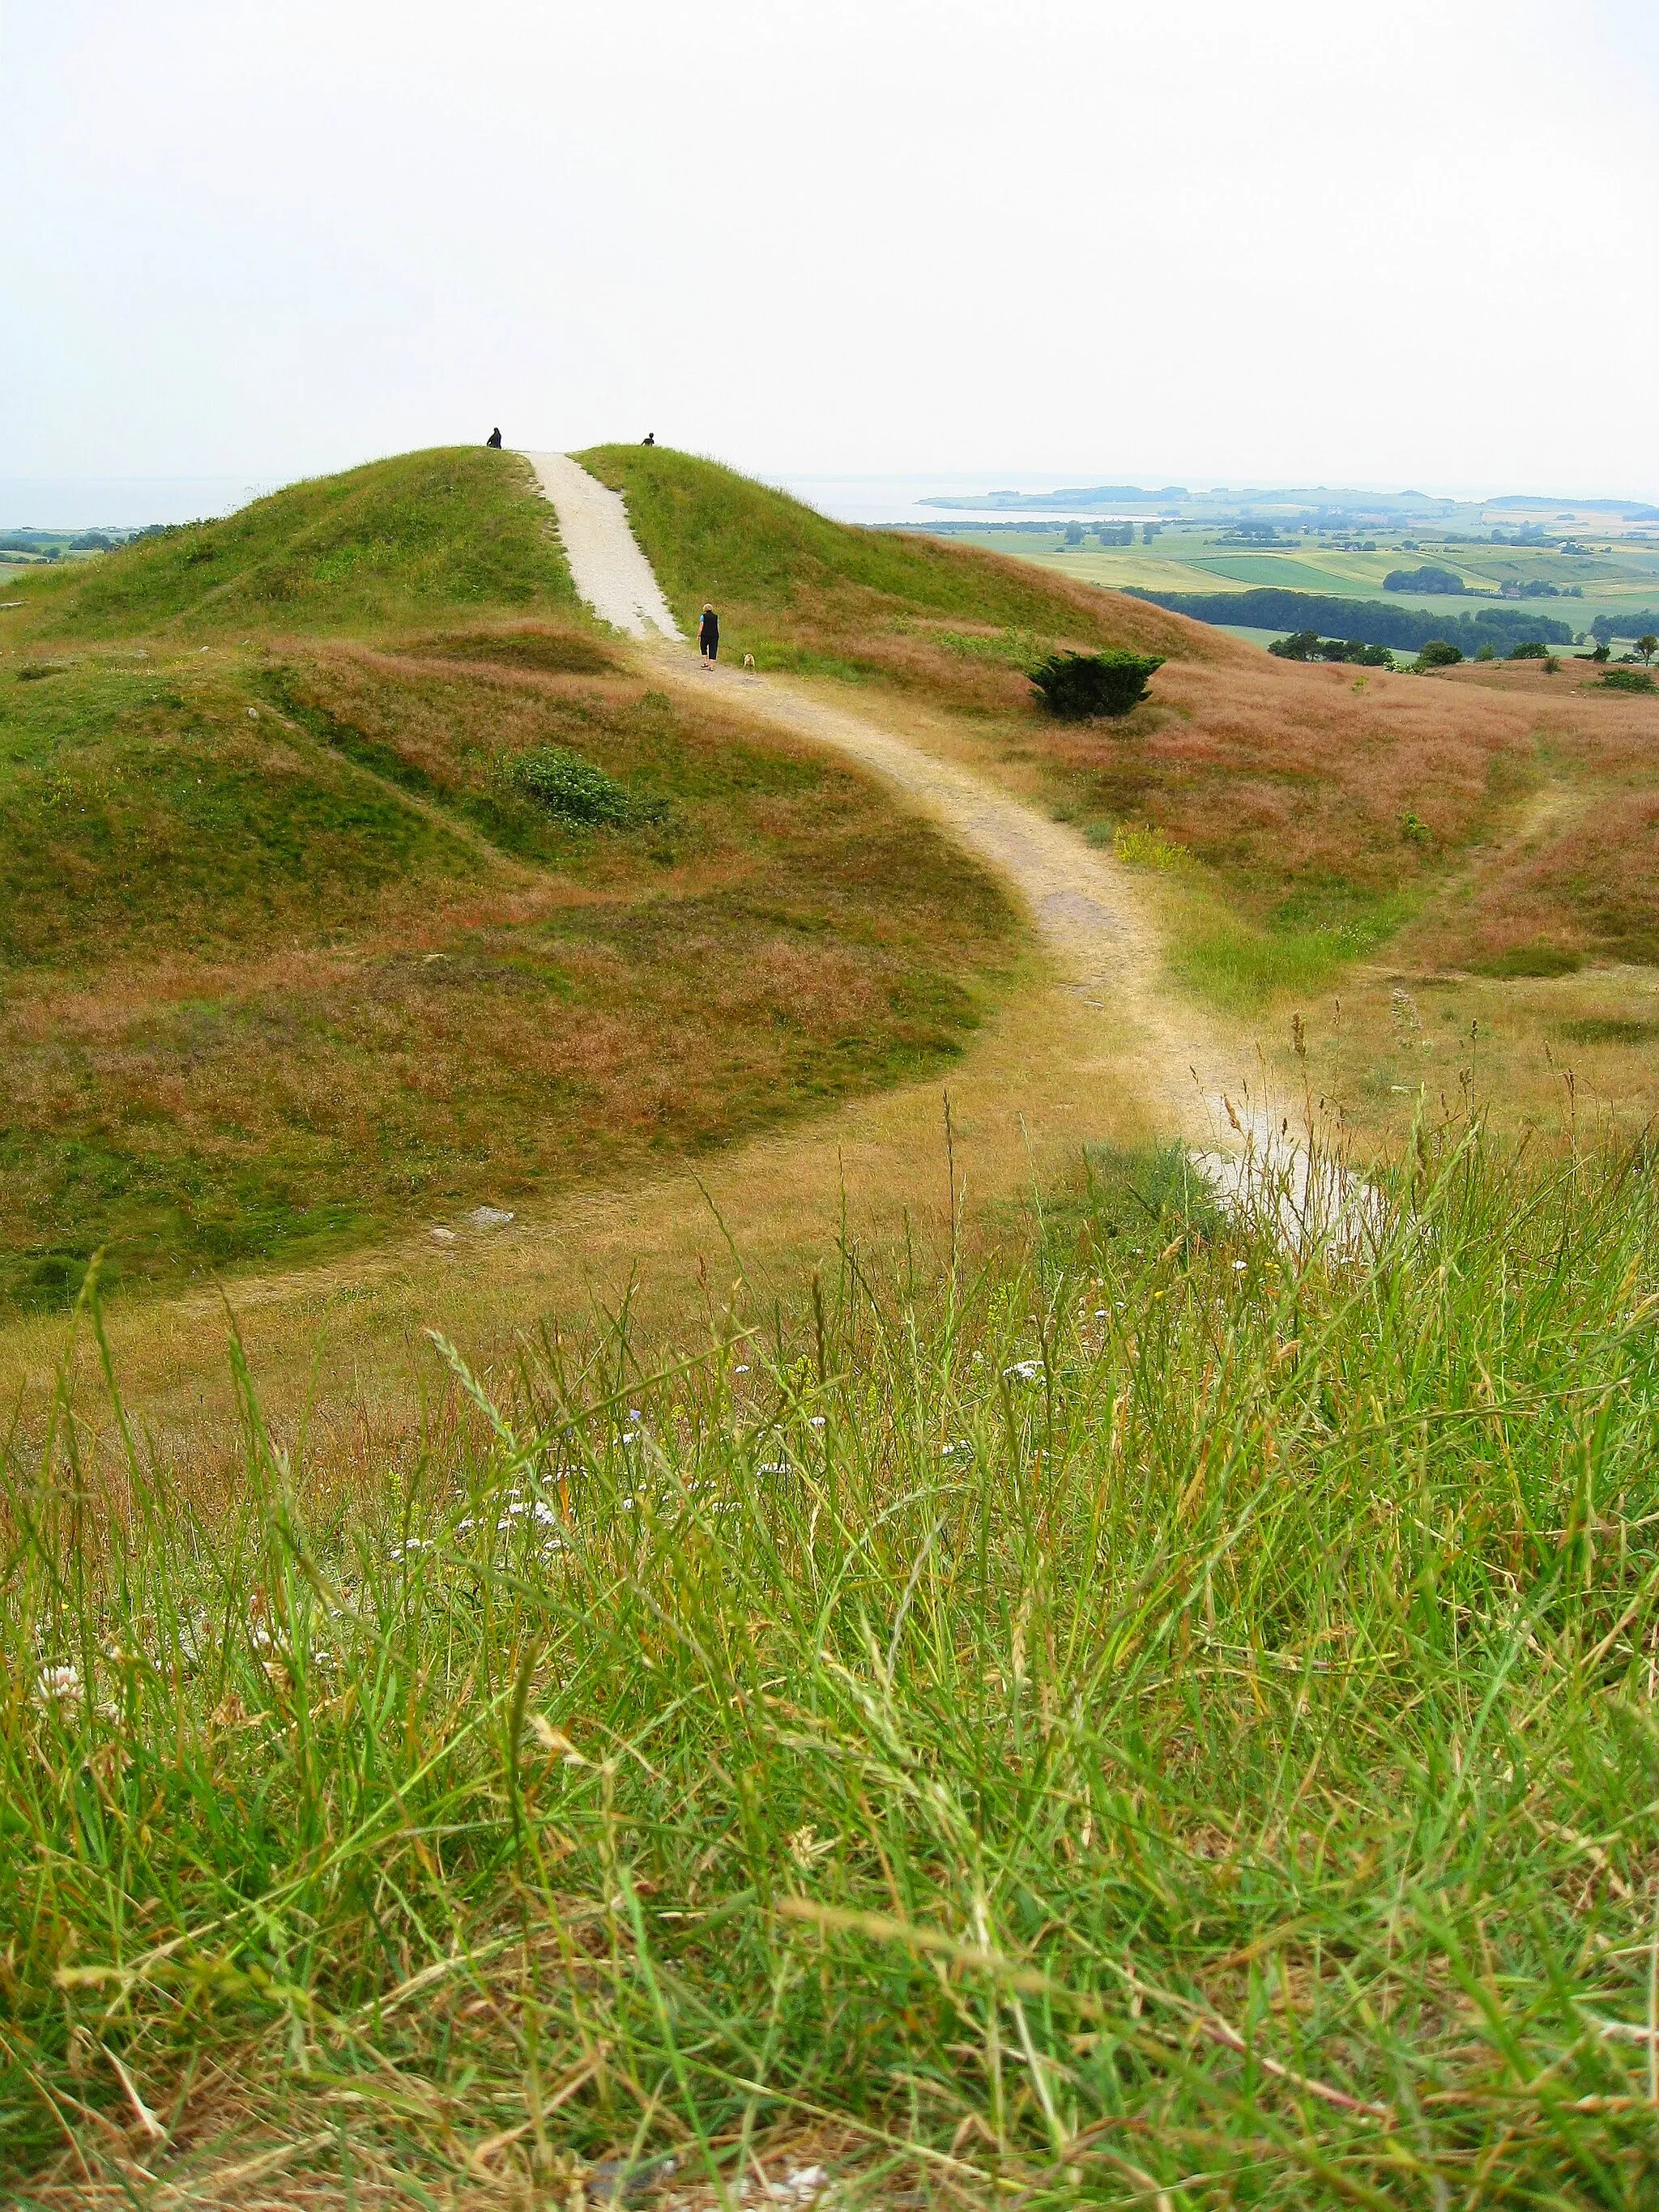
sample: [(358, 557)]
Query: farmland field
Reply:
[(1624, 581)]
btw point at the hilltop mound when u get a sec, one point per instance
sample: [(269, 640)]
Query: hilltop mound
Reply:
[(393, 542), (349, 875), (802, 592)]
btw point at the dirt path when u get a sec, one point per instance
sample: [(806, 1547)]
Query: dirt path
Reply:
[(1087, 907), (609, 571)]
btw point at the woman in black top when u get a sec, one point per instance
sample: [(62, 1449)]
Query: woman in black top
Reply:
[(708, 635)]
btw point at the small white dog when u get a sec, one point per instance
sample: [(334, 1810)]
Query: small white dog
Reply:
[(749, 660)]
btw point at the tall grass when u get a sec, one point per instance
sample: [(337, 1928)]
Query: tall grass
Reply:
[(1168, 1720)]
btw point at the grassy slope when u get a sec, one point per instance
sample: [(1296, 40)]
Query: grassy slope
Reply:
[(803, 592), (287, 960), (453, 528), (1309, 815), (1182, 1723)]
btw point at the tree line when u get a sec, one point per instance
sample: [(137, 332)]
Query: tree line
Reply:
[(1366, 621)]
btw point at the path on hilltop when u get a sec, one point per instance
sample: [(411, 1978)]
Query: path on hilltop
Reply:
[(1085, 904)]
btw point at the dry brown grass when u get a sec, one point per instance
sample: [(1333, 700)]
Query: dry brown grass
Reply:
[(348, 1340), (275, 1059)]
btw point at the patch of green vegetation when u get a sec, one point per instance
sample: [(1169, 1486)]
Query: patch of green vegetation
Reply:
[(1607, 1029), (1540, 958), (1077, 686), (1146, 1197), (573, 788), (389, 543), (1220, 1681), (1240, 965)]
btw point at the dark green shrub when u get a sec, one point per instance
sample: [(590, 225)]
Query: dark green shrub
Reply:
[(1628, 679), (1531, 648), (1439, 653), (568, 786), (1078, 686)]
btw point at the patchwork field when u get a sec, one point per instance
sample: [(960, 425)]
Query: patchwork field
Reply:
[(1616, 576)]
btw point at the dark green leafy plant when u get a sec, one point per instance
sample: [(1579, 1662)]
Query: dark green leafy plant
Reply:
[(1439, 653), (567, 784), (1076, 686), (1531, 648), (1628, 679)]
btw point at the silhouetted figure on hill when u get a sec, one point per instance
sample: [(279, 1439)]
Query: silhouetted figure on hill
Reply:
[(708, 636), (650, 437), (495, 440)]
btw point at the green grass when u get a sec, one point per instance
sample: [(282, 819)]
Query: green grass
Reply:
[(149, 810), (297, 959), (1162, 1724), (814, 595), (393, 542), (299, 947), (1240, 966)]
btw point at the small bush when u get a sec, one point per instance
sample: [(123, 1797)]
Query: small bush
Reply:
[(1077, 686), (1628, 679), (1439, 653), (568, 786), (1147, 847), (1532, 648)]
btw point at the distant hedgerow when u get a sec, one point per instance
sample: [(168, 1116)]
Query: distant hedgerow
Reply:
[(1076, 686), (567, 784)]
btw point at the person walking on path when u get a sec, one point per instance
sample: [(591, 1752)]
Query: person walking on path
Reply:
[(708, 637)]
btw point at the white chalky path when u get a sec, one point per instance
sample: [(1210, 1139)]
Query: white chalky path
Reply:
[(611, 571)]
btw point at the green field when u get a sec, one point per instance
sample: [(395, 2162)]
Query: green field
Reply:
[(1185, 558)]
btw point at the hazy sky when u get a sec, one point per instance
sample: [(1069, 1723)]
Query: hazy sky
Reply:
[(1213, 240)]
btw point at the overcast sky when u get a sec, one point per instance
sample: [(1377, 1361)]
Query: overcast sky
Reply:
[(1201, 240)]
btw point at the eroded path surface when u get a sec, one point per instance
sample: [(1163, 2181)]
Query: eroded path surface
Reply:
[(611, 571)]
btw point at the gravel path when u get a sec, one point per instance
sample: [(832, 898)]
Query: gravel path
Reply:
[(611, 571)]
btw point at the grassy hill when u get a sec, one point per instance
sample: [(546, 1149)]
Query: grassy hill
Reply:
[(802, 592), (408, 895), (392, 542)]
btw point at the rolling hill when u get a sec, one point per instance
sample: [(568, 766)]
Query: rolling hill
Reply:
[(350, 879)]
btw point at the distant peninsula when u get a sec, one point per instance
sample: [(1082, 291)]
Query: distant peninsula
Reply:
[(1030, 503)]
